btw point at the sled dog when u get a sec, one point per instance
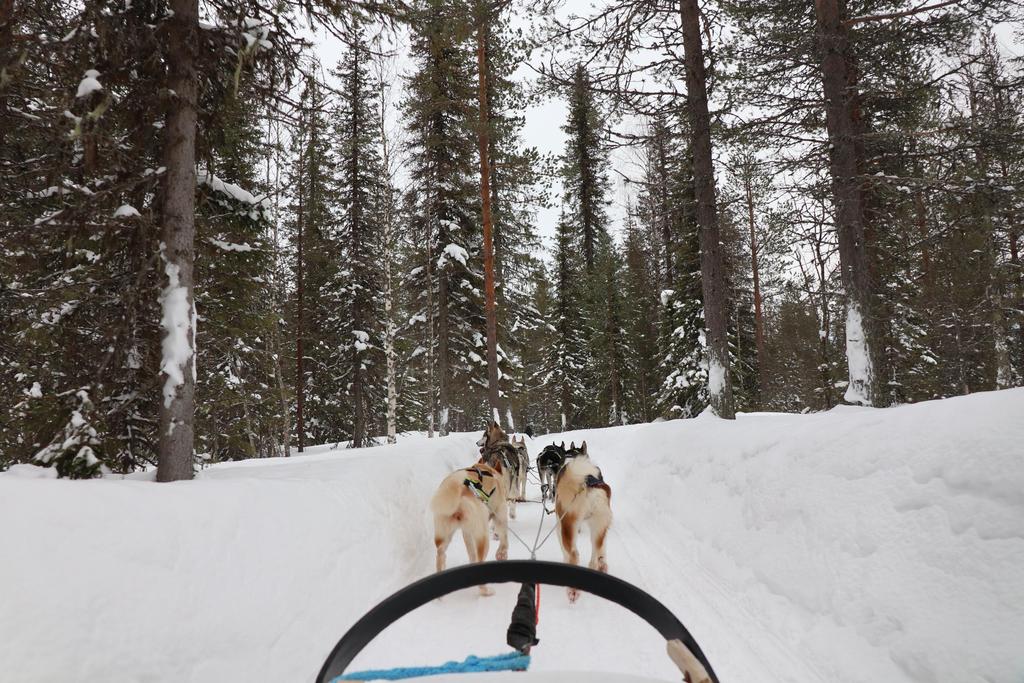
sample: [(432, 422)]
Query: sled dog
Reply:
[(524, 465), (549, 464), (466, 500), (582, 497), (496, 450)]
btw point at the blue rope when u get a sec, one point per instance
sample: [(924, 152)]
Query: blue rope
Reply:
[(513, 661)]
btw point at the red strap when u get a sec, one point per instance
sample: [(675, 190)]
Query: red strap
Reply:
[(537, 610)]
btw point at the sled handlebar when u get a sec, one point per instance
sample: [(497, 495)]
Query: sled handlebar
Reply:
[(509, 571)]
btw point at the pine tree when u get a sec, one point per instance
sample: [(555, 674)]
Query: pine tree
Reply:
[(608, 345), (711, 260), (445, 212), (640, 327), (357, 320), (536, 406), (320, 409), (586, 187), (77, 239), (565, 362), (515, 194), (667, 212), (240, 415)]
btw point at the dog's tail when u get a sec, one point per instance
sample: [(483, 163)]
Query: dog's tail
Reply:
[(448, 497)]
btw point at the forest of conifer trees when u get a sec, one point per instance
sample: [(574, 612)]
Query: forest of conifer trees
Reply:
[(221, 240)]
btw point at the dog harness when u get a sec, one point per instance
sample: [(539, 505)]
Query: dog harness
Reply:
[(477, 486)]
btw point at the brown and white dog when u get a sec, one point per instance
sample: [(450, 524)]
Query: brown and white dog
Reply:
[(582, 497), (510, 457), (467, 500)]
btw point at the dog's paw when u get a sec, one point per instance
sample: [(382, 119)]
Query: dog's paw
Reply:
[(486, 591), (574, 594), (502, 554)]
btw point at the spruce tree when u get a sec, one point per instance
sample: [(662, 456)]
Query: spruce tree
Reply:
[(515, 195), (239, 415), (360, 190), (584, 175), (445, 269), (565, 362), (314, 228), (640, 289)]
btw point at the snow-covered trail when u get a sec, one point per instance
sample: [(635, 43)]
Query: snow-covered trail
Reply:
[(853, 546)]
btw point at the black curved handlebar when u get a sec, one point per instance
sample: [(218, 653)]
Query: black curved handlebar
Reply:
[(510, 571)]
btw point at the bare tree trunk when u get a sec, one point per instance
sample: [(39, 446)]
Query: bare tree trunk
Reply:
[(711, 269), (275, 339), (840, 116), (826, 325), (177, 412), (762, 378), (390, 355), (490, 309), (389, 338), (300, 265)]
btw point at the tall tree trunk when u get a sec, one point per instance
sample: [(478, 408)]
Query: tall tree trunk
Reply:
[(826, 324), (300, 266), (356, 247), (177, 412), (762, 377), (431, 366), (390, 356), (615, 377), (838, 84), (275, 339), (483, 135), (664, 213), (443, 365), (711, 269), (566, 405)]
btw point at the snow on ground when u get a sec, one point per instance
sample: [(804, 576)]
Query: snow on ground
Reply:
[(852, 546)]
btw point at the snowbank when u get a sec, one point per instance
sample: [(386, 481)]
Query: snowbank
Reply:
[(857, 545)]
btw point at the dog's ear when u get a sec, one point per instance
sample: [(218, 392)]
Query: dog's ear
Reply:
[(583, 448), (563, 446), (572, 445)]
